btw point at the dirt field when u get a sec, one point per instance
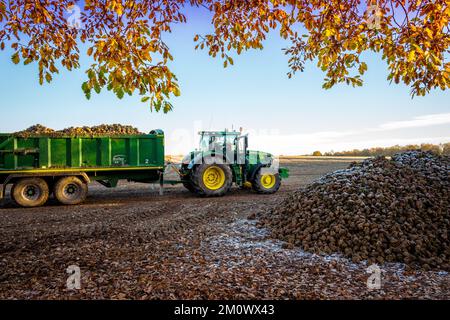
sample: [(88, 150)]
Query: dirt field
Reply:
[(131, 243)]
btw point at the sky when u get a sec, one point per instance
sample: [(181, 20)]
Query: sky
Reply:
[(282, 116)]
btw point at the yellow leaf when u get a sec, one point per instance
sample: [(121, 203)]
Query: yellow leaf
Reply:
[(15, 58), (48, 77)]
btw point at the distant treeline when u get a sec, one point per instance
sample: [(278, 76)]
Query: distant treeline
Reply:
[(389, 151)]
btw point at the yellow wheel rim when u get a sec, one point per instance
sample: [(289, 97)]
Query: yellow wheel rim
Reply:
[(214, 178), (268, 181)]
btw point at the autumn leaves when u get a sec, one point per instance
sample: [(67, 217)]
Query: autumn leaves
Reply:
[(124, 39)]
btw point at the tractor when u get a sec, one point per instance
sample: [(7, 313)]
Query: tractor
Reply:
[(222, 159)]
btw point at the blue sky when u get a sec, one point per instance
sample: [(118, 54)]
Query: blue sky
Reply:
[(283, 116)]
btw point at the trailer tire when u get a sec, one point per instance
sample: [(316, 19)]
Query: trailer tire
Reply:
[(266, 183), (30, 192), (212, 180), (70, 190)]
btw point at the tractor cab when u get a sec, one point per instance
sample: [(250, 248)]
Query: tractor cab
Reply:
[(222, 159), (230, 144)]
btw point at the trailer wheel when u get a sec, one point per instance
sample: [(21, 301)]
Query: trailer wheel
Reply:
[(70, 190), (30, 192), (212, 179), (266, 183)]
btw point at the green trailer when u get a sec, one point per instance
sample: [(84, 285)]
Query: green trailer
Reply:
[(40, 165)]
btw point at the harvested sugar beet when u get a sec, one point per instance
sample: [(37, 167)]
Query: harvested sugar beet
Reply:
[(380, 210), (100, 130)]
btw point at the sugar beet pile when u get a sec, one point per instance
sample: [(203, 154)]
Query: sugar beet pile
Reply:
[(103, 129), (380, 210)]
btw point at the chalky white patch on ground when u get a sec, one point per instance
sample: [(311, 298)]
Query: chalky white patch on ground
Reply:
[(244, 237)]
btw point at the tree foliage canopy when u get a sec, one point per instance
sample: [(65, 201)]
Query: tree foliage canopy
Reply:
[(125, 39)]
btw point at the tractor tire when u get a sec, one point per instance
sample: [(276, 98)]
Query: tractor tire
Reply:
[(30, 192), (212, 180), (70, 190), (266, 183)]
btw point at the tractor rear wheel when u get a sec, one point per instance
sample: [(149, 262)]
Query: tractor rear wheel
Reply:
[(70, 190), (30, 192), (212, 179), (266, 182)]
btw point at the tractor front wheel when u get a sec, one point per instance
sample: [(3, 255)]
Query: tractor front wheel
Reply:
[(212, 179), (266, 182)]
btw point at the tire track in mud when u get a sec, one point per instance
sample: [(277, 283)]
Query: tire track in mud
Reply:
[(105, 234), (140, 221)]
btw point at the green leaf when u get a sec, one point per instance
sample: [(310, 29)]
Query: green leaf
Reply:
[(145, 99), (97, 88), (167, 107), (362, 68), (119, 93), (157, 105), (85, 87)]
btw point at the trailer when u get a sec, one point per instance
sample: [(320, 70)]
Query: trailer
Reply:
[(40, 165)]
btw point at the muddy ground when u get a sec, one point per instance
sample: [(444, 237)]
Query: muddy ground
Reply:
[(131, 243)]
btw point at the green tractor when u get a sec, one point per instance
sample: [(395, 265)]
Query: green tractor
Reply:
[(224, 158)]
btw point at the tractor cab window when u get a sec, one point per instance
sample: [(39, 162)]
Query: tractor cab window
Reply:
[(216, 142), (204, 143), (230, 143), (241, 150), (209, 143)]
